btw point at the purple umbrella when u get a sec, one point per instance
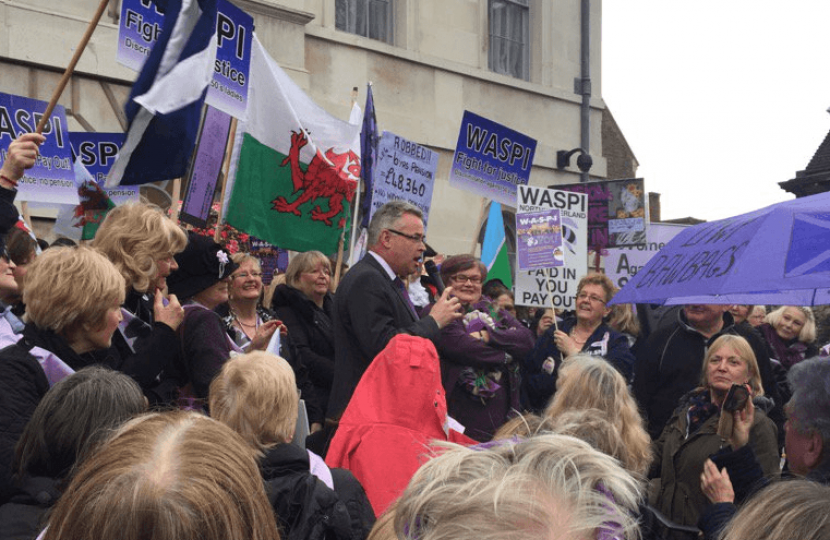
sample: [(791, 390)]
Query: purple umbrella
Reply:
[(776, 255)]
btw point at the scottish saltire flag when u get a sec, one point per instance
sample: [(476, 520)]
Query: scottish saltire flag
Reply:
[(368, 149), (494, 248), (166, 101)]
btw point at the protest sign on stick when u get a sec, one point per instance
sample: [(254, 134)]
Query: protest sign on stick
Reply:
[(556, 286)]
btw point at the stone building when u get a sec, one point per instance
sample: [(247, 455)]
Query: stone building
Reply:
[(516, 62)]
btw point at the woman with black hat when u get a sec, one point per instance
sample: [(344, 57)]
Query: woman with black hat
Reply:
[(201, 283)]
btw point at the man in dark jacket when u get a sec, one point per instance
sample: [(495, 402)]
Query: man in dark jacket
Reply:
[(372, 305), (670, 364)]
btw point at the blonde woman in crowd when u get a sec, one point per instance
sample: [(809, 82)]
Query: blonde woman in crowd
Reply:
[(547, 486), (73, 301), (141, 241), (255, 394), (589, 382)]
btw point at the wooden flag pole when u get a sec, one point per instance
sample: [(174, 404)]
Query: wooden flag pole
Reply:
[(71, 67), (226, 166)]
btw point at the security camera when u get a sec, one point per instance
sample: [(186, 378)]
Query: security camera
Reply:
[(584, 162)]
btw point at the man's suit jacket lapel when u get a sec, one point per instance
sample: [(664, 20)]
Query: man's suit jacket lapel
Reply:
[(391, 287)]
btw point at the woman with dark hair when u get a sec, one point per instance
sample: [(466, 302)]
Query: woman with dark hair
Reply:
[(201, 281), (22, 249), (74, 416), (480, 353)]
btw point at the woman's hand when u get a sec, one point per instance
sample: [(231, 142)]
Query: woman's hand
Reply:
[(172, 314), (263, 335), (21, 155), (716, 484), (565, 343), (482, 335)]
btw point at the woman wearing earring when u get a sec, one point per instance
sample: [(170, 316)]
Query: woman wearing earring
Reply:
[(249, 324)]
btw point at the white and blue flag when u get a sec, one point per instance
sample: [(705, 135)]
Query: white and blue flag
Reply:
[(166, 101)]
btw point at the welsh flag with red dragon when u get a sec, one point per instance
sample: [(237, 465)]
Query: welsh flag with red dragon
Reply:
[(295, 167)]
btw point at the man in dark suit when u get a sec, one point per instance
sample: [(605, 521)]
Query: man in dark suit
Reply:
[(372, 305)]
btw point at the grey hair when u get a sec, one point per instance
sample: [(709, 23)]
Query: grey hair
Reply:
[(809, 381), (786, 510), (548, 486), (386, 217)]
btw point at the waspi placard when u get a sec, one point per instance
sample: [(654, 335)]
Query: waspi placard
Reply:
[(52, 179), (491, 159)]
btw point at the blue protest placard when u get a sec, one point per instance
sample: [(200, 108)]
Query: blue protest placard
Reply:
[(491, 159), (539, 239), (97, 153), (403, 170), (138, 30), (52, 179), (228, 91)]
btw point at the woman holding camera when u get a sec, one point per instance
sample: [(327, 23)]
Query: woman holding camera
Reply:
[(694, 431)]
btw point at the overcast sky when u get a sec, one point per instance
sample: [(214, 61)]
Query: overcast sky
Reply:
[(719, 99)]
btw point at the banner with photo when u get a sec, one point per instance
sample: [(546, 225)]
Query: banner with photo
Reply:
[(617, 212), (539, 240), (556, 286)]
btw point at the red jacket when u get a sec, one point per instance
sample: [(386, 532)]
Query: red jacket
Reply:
[(397, 409)]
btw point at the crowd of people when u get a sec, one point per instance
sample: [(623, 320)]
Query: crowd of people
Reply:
[(150, 389)]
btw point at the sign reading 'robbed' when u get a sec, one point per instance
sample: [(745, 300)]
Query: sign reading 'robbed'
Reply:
[(491, 159)]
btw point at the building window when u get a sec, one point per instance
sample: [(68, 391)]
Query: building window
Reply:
[(367, 18), (510, 38)]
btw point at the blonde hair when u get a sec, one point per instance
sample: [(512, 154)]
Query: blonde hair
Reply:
[(304, 262), (134, 236), (786, 510), (70, 289), (624, 320), (240, 257), (255, 394), (384, 527), (590, 382), (594, 427), (744, 350), (547, 486), (167, 476), (807, 334), (523, 426)]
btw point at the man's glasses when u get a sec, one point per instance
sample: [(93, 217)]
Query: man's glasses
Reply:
[(245, 275), (420, 238), (591, 297)]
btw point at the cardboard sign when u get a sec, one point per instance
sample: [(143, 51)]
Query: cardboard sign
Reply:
[(556, 286), (621, 264), (403, 170), (491, 159), (97, 153), (206, 168)]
